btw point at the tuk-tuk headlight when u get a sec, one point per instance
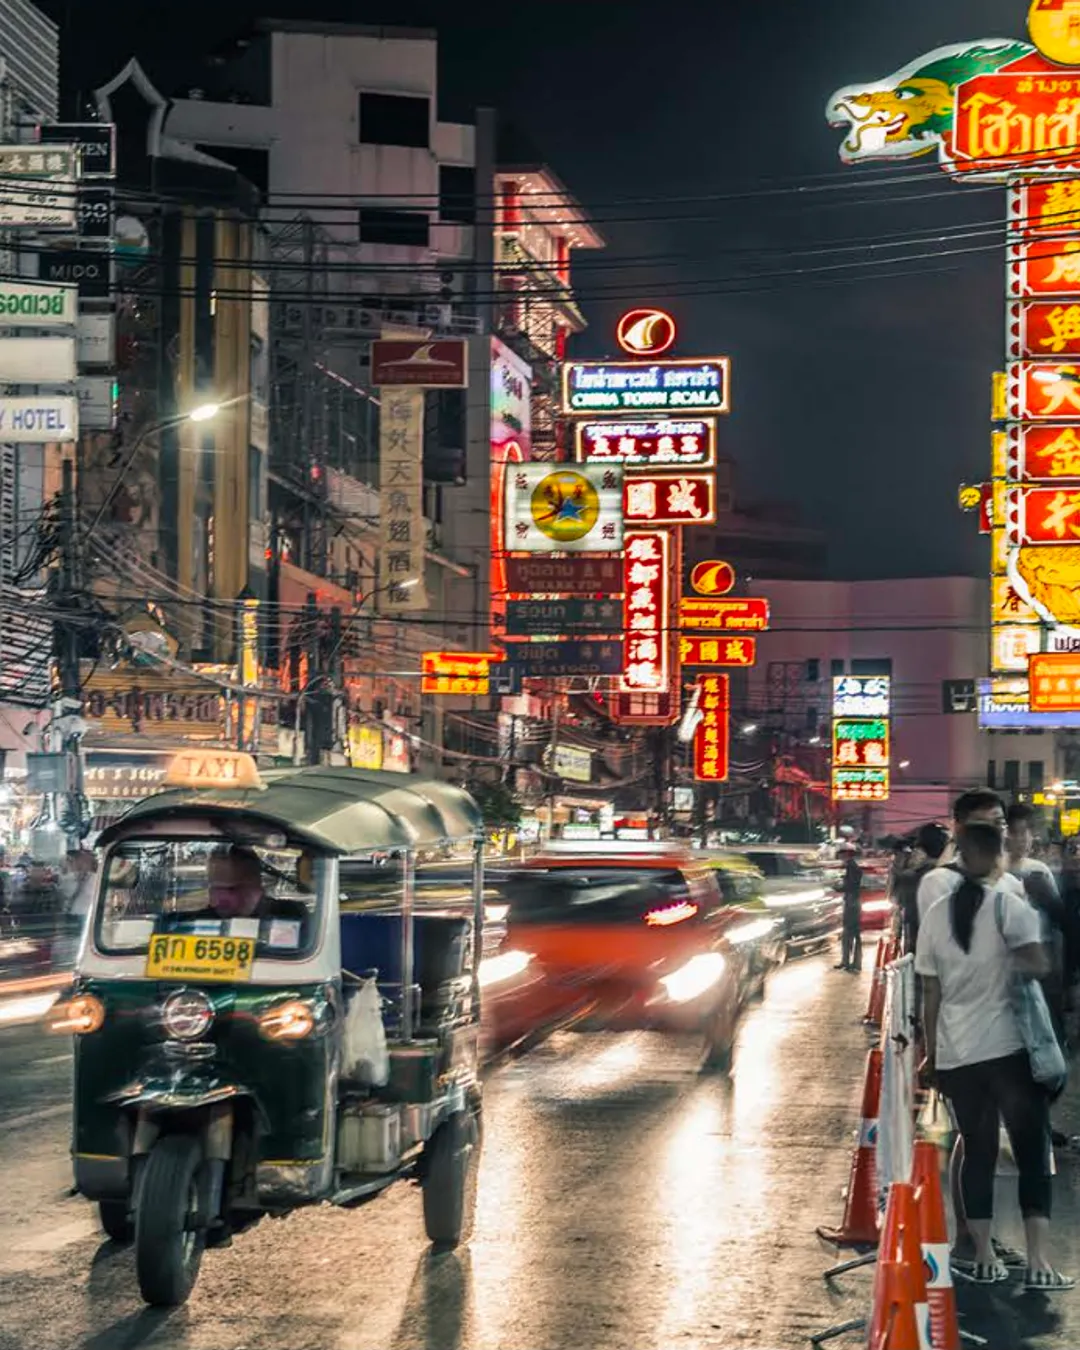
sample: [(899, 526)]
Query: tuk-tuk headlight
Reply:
[(187, 1014), (290, 1021), (77, 1016)]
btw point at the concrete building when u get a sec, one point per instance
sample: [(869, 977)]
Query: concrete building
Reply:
[(923, 632)]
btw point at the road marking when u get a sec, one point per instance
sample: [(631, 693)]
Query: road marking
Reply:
[(46, 1113), (53, 1059)]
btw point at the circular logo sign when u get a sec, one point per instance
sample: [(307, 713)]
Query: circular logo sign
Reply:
[(646, 332), (565, 506), (713, 578), (1055, 29)]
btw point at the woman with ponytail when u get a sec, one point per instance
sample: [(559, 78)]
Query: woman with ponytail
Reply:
[(971, 945)]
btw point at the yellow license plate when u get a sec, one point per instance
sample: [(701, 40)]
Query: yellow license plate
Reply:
[(189, 956)]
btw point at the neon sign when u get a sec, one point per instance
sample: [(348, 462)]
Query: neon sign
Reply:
[(684, 386), (647, 578), (1054, 680), (456, 672), (712, 736), (860, 743), (860, 785), (666, 441), (718, 651), (746, 616), (670, 499), (1043, 453), (573, 509), (646, 332), (862, 696)]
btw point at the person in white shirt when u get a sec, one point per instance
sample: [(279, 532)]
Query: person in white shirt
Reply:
[(979, 806), (970, 945)]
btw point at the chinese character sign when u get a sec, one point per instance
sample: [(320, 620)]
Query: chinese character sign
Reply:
[(718, 651), (860, 785), (1043, 454), (647, 559), (1054, 680), (1042, 515), (1040, 328), (862, 696), (671, 499), (1037, 392), (711, 737), (860, 743), (455, 672), (577, 509), (648, 444), (402, 535), (1045, 208)]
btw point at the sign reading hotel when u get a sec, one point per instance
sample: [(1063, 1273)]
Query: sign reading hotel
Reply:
[(692, 385), (648, 444)]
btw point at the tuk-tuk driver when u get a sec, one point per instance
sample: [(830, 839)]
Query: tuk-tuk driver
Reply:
[(234, 877)]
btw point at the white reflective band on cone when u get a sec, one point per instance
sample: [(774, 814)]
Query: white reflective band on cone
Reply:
[(868, 1133), (922, 1321), (936, 1264)]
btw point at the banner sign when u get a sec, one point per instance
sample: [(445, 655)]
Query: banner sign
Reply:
[(862, 696), (37, 360), (649, 444), (543, 660), (569, 762), (90, 271), (33, 304), (38, 186), (673, 387), (737, 615), (1054, 682), (94, 141), (671, 499), (578, 509), (712, 736), (420, 364), (1016, 119), (1042, 515), (402, 532), (43, 417), (723, 651), (647, 569), (550, 618), (584, 575)]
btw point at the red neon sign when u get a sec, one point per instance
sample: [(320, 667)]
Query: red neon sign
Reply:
[(1040, 391), (713, 731), (647, 558), (747, 616), (1054, 681), (1042, 515), (1041, 328), (718, 651), (646, 332), (670, 498), (653, 444), (1045, 454)]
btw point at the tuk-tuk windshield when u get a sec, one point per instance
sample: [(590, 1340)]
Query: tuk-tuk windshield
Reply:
[(212, 888)]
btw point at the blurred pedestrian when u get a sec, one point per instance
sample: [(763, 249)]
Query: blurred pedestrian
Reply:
[(974, 1049), (851, 935), (1042, 892), (931, 841)]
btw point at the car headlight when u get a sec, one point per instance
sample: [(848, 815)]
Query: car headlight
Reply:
[(77, 1016), (496, 913), (697, 977), (750, 932), (876, 906), (290, 1021), (496, 969)]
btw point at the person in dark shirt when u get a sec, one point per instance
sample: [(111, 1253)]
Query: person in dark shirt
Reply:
[(931, 841), (851, 937)]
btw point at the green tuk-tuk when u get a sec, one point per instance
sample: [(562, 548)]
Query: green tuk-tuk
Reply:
[(222, 1070)]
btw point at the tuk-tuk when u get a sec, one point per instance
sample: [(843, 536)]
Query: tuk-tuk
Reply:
[(215, 1019)]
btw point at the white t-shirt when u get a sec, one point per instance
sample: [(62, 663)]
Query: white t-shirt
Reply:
[(942, 881), (976, 1021)]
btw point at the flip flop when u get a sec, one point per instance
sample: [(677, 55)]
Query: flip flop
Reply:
[(1048, 1281), (994, 1272), (1009, 1256)]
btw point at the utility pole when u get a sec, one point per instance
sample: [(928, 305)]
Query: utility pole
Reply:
[(67, 723), (553, 779)]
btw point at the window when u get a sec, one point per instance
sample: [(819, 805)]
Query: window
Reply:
[(837, 667), (395, 119), (881, 666), (457, 194), (1012, 776), (1036, 775), (813, 670), (409, 228), (991, 773)]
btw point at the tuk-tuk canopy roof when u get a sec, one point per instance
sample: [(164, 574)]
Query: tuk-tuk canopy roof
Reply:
[(339, 810)]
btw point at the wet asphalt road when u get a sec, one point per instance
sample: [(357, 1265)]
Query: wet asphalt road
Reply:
[(624, 1202)]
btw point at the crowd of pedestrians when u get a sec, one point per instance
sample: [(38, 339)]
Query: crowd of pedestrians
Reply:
[(995, 933)]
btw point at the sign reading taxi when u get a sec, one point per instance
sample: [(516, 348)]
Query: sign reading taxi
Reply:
[(1054, 682), (456, 672), (739, 615), (721, 651), (693, 385)]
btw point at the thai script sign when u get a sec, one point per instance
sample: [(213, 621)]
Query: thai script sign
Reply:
[(684, 386), (32, 304), (651, 444)]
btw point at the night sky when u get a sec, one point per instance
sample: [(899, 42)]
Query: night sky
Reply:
[(866, 401)]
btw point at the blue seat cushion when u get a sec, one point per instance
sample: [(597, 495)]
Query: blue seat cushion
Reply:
[(372, 941)]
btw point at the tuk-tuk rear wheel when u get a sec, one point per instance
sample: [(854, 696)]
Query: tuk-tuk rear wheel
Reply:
[(450, 1168), (168, 1245), (115, 1220)]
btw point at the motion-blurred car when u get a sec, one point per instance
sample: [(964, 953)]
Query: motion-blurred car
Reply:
[(877, 908), (760, 935), (630, 937), (798, 891)]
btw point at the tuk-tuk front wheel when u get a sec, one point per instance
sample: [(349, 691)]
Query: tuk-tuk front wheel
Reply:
[(168, 1243), (115, 1219), (450, 1167)]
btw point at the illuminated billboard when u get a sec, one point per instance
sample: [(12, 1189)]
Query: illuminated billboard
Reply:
[(647, 560), (712, 735), (670, 499), (694, 385), (646, 332), (717, 651), (576, 509), (654, 444), (862, 696)]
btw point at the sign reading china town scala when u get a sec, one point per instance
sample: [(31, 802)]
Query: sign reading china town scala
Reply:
[(650, 444), (647, 563), (646, 332), (670, 499), (564, 510), (694, 385)]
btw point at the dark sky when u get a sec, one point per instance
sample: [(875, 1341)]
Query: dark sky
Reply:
[(865, 402)]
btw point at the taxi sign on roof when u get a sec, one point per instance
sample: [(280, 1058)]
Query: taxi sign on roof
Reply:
[(213, 769)]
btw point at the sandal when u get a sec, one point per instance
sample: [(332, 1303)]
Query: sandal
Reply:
[(1048, 1281), (1009, 1256), (994, 1272)]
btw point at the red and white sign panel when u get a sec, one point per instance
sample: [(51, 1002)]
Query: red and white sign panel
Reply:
[(749, 616), (1041, 328), (1054, 682), (1043, 454), (717, 651), (1040, 267), (1020, 117), (421, 363), (583, 575), (1038, 391), (647, 559), (646, 332), (1042, 515), (711, 739), (670, 499), (652, 444), (1045, 208), (646, 710)]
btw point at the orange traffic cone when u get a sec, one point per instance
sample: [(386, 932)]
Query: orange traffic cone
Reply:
[(894, 1323), (911, 1254), (860, 1222), (940, 1294)]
